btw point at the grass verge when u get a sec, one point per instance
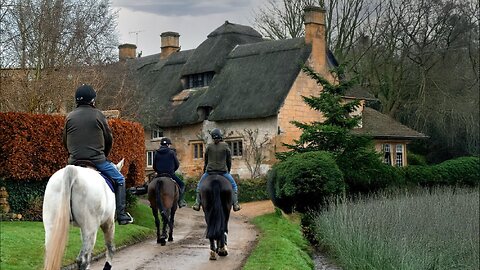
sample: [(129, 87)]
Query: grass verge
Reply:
[(22, 242), (280, 246), (435, 229)]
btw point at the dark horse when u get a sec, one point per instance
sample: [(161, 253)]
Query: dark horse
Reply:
[(216, 193), (163, 194)]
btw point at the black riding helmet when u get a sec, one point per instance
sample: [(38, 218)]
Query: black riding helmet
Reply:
[(165, 141), (85, 94), (216, 134)]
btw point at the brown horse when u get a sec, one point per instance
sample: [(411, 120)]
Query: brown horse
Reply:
[(216, 193), (163, 195)]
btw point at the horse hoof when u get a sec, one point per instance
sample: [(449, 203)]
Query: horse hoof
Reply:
[(170, 239), (223, 251), (213, 255), (107, 266)]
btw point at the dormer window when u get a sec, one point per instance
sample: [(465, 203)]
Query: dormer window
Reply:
[(199, 79)]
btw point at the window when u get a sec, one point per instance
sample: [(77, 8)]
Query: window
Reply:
[(197, 150), (387, 158), (149, 158), (199, 79), (399, 155), (157, 134), (236, 147)]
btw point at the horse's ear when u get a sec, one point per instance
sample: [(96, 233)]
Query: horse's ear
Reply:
[(120, 164)]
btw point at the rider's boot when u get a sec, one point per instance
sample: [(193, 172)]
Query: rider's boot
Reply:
[(196, 206), (236, 205), (181, 198), (140, 190), (123, 217)]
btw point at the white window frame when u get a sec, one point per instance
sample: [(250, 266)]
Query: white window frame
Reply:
[(149, 160), (387, 152), (399, 155), (156, 134)]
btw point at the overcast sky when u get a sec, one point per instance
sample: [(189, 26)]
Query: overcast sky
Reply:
[(192, 19)]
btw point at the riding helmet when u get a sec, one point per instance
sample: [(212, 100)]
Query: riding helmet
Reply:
[(216, 134), (85, 94), (165, 141)]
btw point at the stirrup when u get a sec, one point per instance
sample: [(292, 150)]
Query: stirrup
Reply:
[(196, 207), (182, 203), (236, 207), (125, 221)]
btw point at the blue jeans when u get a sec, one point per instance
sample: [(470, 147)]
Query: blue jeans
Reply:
[(109, 170), (226, 175)]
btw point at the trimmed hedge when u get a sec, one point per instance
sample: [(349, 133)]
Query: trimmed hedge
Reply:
[(304, 181), (463, 171), (32, 149)]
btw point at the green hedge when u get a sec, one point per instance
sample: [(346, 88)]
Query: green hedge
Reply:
[(25, 197), (463, 171), (304, 181), (252, 190)]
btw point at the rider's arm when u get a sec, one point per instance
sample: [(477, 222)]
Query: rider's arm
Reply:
[(107, 134), (205, 160), (229, 159), (175, 160)]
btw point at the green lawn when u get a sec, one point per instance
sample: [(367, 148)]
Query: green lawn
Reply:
[(22, 242), (426, 230)]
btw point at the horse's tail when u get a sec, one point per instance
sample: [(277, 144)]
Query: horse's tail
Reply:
[(158, 198), (55, 247), (216, 216)]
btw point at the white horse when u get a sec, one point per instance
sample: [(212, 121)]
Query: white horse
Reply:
[(82, 196)]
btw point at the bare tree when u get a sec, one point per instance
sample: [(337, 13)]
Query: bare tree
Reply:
[(254, 150)]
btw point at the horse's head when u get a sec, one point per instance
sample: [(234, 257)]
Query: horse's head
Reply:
[(119, 165)]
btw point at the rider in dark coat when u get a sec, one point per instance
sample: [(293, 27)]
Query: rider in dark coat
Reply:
[(165, 162), (218, 158), (87, 136)]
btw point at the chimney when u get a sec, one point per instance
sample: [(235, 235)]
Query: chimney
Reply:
[(315, 35), (127, 51), (169, 44)]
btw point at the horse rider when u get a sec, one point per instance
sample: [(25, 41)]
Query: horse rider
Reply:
[(218, 158), (165, 162), (87, 136)]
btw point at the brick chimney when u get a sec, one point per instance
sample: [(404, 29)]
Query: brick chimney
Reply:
[(169, 44), (315, 34), (127, 51)]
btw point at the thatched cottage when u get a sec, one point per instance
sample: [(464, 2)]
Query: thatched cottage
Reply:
[(250, 88)]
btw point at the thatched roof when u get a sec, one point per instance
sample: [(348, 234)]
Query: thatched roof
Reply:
[(252, 78), (381, 126)]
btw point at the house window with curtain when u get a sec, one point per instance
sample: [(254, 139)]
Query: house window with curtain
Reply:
[(197, 150), (387, 154), (150, 159), (236, 147), (399, 155)]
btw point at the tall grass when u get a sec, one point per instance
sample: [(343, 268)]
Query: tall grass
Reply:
[(436, 229)]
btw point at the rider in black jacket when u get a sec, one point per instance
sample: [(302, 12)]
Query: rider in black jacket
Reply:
[(165, 162)]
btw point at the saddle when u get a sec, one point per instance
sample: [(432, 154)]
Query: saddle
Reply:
[(168, 176), (88, 164)]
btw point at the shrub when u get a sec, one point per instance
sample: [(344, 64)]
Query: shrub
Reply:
[(305, 181), (416, 159), (364, 172), (23, 195), (463, 171), (252, 190)]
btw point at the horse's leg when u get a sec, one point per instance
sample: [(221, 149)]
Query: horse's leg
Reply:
[(213, 249), (157, 222), (108, 229), (170, 225), (165, 222), (89, 236)]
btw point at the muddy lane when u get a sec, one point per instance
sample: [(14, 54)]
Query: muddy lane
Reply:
[(190, 249)]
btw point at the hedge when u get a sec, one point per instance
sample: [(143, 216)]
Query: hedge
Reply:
[(31, 147)]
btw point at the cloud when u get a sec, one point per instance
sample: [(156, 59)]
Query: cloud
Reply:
[(182, 7)]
